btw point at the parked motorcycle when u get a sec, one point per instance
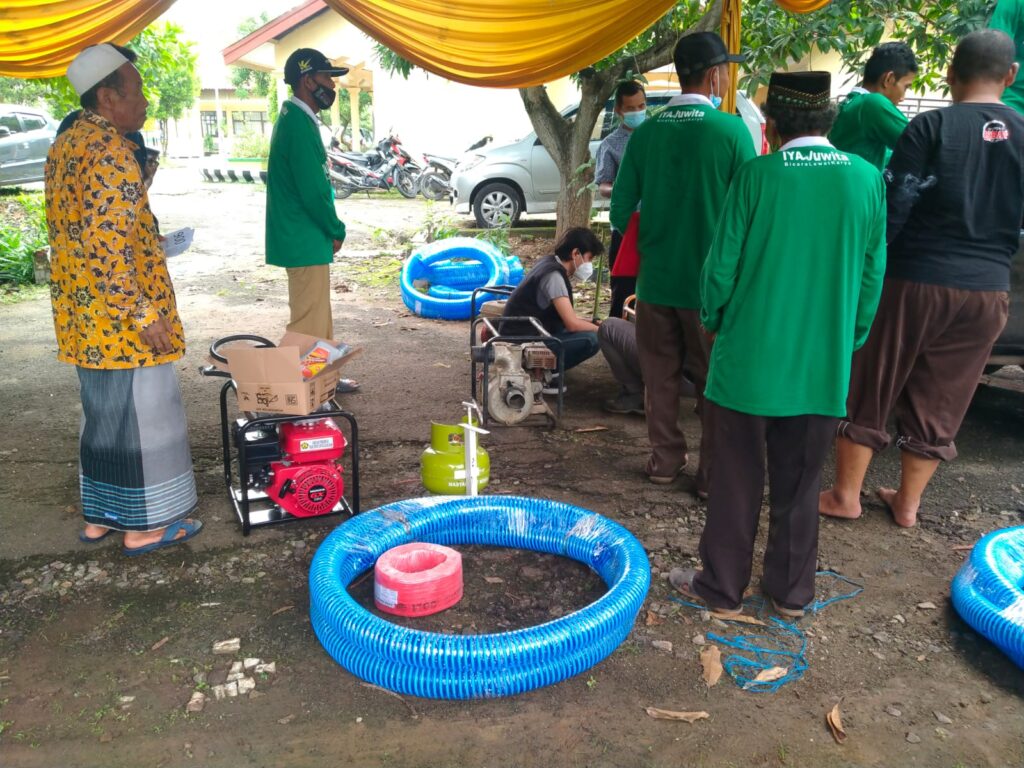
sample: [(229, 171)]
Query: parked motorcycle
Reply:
[(386, 166), (436, 180)]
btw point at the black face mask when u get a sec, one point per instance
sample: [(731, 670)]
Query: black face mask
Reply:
[(323, 96)]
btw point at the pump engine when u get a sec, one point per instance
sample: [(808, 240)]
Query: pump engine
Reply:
[(297, 464)]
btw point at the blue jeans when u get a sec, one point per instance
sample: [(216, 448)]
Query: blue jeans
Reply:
[(577, 346)]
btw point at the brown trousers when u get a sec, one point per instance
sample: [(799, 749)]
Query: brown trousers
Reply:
[(309, 299), (922, 361), (796, 448), (669, 340)]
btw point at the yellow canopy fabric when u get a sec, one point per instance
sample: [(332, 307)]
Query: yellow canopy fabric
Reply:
[(802, 6), (503, 43), (39, 38), (731, 10)]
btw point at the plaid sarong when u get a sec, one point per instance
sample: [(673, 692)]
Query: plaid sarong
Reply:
[(135, 464)]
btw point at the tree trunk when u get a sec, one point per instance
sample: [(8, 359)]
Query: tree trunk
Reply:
[(568, 142)]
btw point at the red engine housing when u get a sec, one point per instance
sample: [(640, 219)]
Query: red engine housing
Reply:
[(308, 481), (304, 442)]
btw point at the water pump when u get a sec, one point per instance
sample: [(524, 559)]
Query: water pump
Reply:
[(298, 465)]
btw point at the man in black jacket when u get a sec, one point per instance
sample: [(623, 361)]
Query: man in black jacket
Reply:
[(546, 294)]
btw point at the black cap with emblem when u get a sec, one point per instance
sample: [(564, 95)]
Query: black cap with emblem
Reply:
[(309, 61)]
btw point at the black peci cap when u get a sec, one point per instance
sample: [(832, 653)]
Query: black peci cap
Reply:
[(309, 61), (700, 51), (800, 90)]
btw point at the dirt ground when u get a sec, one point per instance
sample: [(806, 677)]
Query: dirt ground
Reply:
[(99, 654)]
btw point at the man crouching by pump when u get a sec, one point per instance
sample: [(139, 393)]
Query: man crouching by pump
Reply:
[(546, 294)]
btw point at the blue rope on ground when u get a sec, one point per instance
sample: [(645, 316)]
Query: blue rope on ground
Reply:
[(782, 644)]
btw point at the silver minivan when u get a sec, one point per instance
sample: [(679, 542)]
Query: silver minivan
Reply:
[(498, 184), (26, 134)]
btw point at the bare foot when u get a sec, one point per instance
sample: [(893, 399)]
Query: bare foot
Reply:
[(135, 539), (831, 504), (903, 513)]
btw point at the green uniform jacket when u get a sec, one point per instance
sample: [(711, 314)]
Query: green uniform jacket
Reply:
[(793, 280), (301, 221), (678, 166), (868, 125), (1009, 17)]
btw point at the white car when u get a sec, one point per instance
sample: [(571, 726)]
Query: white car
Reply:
[(26, 134), (498, 184)]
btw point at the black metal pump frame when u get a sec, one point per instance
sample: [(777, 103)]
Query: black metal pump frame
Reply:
[(253, 508), (493, 326)]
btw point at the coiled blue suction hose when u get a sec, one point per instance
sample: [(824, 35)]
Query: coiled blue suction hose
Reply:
[(417, 267), (988, 592), (467, 275), (441, 666)]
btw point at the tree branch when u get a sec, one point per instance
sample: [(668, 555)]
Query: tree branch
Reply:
[(661, 54)]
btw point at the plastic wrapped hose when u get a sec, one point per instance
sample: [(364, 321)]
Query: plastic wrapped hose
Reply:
[(435, 665), (468, 275), (988, 592), (417, 267)]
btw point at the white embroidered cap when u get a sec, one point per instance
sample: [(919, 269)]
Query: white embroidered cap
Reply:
[(92, 65)]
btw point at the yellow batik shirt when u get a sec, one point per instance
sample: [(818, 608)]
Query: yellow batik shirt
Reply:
[(109, 274)]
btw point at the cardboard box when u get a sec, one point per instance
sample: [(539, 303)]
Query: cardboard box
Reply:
[(269, 380)]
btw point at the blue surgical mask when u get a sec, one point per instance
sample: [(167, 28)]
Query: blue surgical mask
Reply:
[(634, 119), (716, 100)]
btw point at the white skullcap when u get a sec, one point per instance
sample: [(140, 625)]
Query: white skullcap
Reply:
[(92, 65)]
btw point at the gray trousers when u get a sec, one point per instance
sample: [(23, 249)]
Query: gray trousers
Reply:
[(617, 338)]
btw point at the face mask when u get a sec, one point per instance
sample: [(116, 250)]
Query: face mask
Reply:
[(584, 271), (324, 97), (634, 119), (716, 100)]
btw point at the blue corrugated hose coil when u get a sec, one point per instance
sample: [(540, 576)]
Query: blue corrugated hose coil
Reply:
[(988, 592), (451, 306), (440, 666)]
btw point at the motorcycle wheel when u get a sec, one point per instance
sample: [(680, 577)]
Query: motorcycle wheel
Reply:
[(341, 191), (434, 186), (405, 184)]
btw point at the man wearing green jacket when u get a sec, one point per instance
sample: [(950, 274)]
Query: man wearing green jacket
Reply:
[(303, 230), (869, 123), (790, 287), (678, 166), (1009, 17)]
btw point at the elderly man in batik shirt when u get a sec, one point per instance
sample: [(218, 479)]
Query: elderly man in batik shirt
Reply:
[(115, 316)]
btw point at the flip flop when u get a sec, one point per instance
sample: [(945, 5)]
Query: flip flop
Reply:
[(786, 613), (169, 539), (682, 580), (94, 539), (347, 386)]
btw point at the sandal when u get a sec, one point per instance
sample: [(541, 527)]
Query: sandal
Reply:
[(783, 611), (346, 386), (170, 537), (94, 539), (682, 580), (666, 479)]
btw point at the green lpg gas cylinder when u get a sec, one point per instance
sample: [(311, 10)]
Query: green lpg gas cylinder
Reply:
[(443, 464)]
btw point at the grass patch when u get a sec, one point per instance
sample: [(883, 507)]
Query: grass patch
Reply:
[(22, 233), (378, 272), (11, 293)]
